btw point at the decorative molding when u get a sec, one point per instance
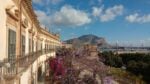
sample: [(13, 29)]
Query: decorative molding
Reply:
[(30, 30), (12, 15), (49, 34), (25, 23)]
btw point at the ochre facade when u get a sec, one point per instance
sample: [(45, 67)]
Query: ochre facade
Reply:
[(21, 36)]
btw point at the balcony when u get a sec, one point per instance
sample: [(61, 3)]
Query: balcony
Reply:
[(11, 68)]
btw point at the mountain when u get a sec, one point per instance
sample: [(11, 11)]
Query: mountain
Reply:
[(88, 39)]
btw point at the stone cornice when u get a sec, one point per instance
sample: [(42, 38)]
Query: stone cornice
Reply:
[(12, 15), (27, 5), (36, 22), (43, 31)]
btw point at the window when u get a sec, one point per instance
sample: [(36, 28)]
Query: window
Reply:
[(23, 45), (48, 46), (45, 46), (41, 46), (36, 46), (30, 46), (11, 45)]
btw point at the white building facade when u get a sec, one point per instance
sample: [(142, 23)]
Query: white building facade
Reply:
[(25, 46)]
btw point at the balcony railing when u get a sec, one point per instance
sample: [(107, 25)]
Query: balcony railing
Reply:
[(10, 68)]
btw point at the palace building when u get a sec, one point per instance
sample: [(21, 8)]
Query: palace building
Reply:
[(24, 45)]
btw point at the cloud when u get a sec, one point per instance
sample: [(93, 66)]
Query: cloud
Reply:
[(111, 13), (136, 18), (97, 11), (43, 18), (108, 14), (68, 16)]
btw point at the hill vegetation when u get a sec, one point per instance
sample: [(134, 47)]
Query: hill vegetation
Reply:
[(138, 64), (88, 39)]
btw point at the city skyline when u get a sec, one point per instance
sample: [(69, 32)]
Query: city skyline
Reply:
[(123, 21)]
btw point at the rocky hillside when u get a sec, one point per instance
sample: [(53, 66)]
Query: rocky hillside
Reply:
[(88, 39)]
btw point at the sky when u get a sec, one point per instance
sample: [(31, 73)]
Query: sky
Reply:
[(126, 22)]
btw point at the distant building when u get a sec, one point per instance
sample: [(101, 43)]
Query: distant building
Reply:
[(65, 45), (91, 50), (24, 45)]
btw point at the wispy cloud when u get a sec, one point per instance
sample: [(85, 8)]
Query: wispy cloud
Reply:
[(137, 18), (108, 14), (43, 18), (97, 11)]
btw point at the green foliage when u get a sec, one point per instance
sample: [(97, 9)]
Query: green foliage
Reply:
[(111, 59), (138, 64)]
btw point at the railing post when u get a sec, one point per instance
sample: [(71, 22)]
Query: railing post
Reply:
[(1, 75)]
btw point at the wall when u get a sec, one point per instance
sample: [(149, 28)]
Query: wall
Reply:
[(3, 34), (26, 76)]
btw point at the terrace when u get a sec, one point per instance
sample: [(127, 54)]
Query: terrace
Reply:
[(11, 68)]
